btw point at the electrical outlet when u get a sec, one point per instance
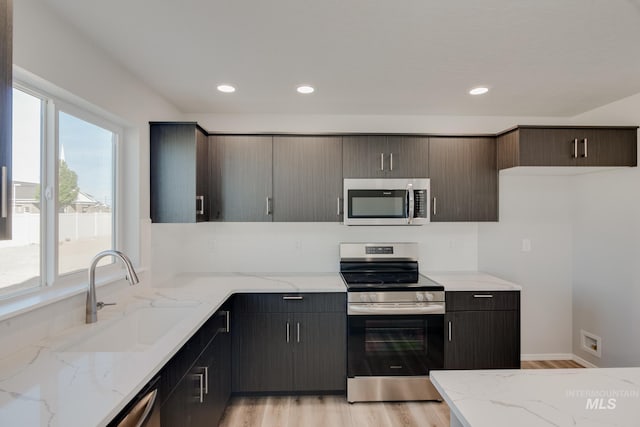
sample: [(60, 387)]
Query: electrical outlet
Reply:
[(526, 245)]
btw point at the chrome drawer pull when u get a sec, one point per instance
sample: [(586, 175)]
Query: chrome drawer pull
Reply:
[(292, 298), (483, 296)]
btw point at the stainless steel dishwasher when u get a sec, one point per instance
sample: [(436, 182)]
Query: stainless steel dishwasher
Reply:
[(143, 410)]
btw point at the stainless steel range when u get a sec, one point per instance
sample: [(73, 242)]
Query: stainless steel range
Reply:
[(395, 323)]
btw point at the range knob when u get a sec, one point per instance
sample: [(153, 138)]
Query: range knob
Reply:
[(364, 297), (373, 297), (420, 296)]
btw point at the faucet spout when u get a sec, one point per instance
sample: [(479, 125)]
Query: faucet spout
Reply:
[(92, 306)]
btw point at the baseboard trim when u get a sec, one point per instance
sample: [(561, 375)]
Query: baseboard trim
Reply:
[(583, 362), (547, 356)]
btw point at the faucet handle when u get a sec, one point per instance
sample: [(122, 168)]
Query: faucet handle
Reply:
[(100, 305)]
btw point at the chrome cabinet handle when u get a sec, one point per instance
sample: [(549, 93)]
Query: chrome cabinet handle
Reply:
[(338, 204), (201, 200), (585, 141), (206, 380), (381, 161), (411, 203), (449, 331), (391, 161), (298, 332), (268, 209), (228, 321), (575, 148), (289, 298), (201, 380), (5, 196), (435, 206), (288, 331), (483, 296)]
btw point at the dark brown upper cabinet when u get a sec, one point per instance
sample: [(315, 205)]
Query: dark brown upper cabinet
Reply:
[(179, 172), (241, 178), (379, 156), (307, 178), (464, 179), (6, 88), (567, 146)]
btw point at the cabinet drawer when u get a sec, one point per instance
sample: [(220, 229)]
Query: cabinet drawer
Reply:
[(290, 303), (482, 300)]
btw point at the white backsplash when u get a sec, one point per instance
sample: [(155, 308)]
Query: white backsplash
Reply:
[(298, 247)]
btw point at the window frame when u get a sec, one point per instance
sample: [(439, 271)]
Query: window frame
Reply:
[(51, 107)]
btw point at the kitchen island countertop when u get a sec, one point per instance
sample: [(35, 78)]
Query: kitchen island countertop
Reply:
[(541, 397)]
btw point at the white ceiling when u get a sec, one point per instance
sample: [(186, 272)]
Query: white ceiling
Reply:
[(539, 57)]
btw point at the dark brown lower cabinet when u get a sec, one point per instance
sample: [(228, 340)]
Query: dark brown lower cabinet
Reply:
[(290, 352), (201, 392), (262, 351), (483, 330)]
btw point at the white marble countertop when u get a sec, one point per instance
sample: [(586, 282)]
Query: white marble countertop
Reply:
[(40, 385), (471, 281), (541, 397)]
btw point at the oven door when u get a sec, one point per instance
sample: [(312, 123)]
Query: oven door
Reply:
[(395, 345)]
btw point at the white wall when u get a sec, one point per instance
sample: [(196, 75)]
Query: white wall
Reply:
[(536, 208), (606, 256), (48, 48)]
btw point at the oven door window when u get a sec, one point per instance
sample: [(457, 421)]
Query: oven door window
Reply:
[(377, 203), (395, 345), (402, 336)]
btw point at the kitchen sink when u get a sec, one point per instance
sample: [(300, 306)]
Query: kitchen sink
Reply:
[(135, 331)]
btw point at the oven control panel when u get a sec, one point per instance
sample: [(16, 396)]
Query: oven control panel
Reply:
[(396, 297)]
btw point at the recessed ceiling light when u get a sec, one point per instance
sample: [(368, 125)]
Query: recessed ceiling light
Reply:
[(479, 90), (305, 89), (226, 88)]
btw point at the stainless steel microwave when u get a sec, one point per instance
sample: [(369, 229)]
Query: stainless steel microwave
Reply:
[(386, 201)]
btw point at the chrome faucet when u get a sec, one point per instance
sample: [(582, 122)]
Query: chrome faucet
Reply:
[(92, 305)]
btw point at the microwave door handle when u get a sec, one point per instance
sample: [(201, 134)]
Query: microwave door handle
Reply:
[(411, 203)]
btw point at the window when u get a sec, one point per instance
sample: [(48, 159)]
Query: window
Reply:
[(64, 192), (20, 256), (85, 192)]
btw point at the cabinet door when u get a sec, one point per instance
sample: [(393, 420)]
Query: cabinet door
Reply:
[(220, 386), (178, 408), (202, 176), (364, 156), (203, 392), (607, 147), (262, 352), (173, 172), (307, 178), (320, 353), (408, 156), (547, 147), (482, 340), (6, 62), (241, 178), (464, 179)]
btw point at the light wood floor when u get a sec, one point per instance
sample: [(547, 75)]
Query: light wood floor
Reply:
[(334, 411)]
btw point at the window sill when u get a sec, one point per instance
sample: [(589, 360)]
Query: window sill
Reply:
[(41, 297)]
